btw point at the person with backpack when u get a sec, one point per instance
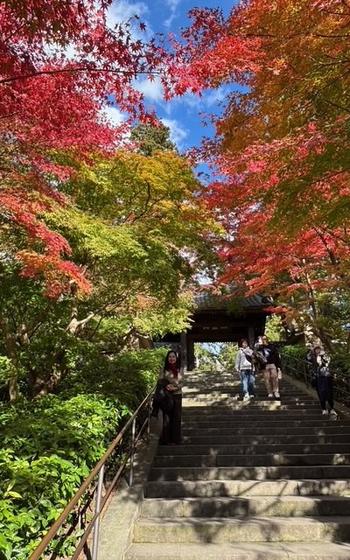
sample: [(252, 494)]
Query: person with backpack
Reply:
[(268, 359), (322, 379), (245, 368)]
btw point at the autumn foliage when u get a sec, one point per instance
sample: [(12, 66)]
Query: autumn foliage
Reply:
[(61, 63), (282, 144)]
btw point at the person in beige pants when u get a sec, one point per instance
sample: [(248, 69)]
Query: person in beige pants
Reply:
[(269, 360)]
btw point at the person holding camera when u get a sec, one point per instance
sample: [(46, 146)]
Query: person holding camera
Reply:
[(269, 363), (322, 379)]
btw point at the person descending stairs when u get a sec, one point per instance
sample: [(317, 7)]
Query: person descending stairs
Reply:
[(253, 480)]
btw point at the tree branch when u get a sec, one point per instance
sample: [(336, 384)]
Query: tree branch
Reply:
[(76, 70)]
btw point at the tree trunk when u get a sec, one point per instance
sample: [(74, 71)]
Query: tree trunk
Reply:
[(13, 388), (11, 351)]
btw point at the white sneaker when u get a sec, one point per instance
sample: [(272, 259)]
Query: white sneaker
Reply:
[(246, 397), (252, 396), (333, 412), (270, 396), (277, 395), (324, 412)]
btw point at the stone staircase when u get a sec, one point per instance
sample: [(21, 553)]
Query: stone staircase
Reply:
[(255, 480)]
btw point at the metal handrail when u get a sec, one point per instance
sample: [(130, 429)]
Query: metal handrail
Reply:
[(99, 470)]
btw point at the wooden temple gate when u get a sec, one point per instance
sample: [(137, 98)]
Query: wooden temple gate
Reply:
[(216, 319)]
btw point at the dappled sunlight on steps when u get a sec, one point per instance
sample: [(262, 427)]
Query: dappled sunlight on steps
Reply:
[(256, 480)]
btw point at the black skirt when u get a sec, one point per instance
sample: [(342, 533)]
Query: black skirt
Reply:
[(172, 423)]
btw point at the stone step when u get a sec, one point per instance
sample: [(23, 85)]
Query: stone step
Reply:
[(268, 459), (268, 506), (255, 415), (268, 426), (252, 529), (249, 473), (250, 405), (239, 551), (225, 390), (245, 408), (266, 438), (234, 488), (252, 449), (236, 390), (246, 415), (230, 390), (217, 396)]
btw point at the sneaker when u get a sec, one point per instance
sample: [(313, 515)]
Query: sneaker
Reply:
[(324, 412), (270, 396), (332, 412), (252, 396), (246, 397), (277, 396)]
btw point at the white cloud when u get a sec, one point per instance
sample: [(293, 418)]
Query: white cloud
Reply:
[(177, 132), (113, 115), (208, 101), (121, 11), (173, 5), (152, 90), (215, 96)]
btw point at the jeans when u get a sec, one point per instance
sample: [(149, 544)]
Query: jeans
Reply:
[(248, 381), (325, 390)]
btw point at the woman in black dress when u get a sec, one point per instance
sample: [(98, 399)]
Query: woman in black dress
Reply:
[(173, 375)]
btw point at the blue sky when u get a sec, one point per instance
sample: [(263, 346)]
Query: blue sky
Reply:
[(182, 115)]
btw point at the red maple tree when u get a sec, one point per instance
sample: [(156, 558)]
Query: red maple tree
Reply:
[(281, 149), (60, 64)]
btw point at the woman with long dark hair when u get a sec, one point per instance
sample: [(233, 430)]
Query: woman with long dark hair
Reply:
[(322, 379), (172, 374)]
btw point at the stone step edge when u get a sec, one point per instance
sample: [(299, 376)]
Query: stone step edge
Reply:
[(239, 551), (228, 499), (254, 488), (249, 529), (323, 519)]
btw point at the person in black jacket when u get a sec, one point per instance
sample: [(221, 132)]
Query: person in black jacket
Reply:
[(322, 378), (269, 362)]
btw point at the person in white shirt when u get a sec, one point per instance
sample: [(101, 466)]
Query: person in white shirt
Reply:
[(245, 368)]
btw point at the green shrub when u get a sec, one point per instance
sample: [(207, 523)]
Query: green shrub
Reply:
[(294, 360), (48, 446), (341, 363), (296, 352)]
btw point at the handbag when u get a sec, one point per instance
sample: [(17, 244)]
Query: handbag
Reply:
[(163, 399), (279, 374)]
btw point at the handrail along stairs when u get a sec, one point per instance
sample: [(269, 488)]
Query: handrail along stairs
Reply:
[(100, 500)]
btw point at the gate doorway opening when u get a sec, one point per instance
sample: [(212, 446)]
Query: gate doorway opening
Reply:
[(215, 356)]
